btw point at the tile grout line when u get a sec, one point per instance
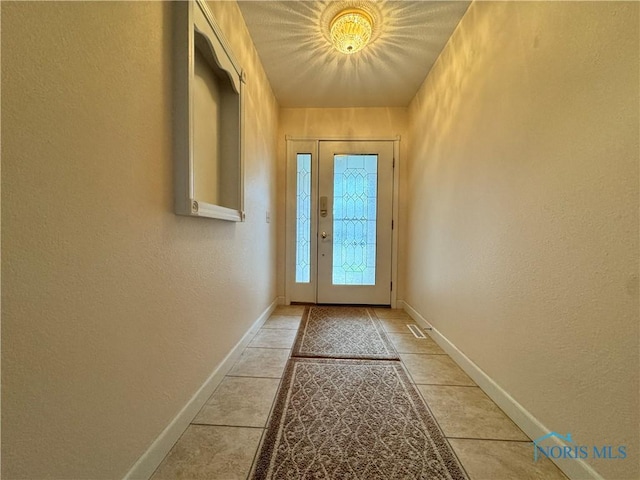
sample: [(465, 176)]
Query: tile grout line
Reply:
[(448, 385), (444, 385), (447, 437), (256, 454), (200, 424), (275, 328), (269, 348), (413, 353), (490, 439)]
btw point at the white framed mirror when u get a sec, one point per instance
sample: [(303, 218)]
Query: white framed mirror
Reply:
[(208, 117)]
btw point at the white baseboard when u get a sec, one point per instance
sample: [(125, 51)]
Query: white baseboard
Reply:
[(574, 468), (281, 300), (151, 459)]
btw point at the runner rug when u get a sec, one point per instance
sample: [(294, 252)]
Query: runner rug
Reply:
[(342, 332), (352, 419)]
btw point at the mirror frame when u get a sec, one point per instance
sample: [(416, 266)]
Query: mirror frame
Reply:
[(190, 18)]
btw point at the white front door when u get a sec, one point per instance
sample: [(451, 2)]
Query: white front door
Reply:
[(339, 221)]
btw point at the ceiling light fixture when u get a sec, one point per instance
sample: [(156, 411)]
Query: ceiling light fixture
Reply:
[(351, 30)]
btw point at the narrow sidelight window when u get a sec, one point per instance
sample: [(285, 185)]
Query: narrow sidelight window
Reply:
[(303, 218)]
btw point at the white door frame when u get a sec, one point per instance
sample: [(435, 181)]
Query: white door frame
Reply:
[(296, 145)]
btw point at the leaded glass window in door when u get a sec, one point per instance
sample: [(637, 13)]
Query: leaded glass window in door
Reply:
[(303, 218), (355, 185)]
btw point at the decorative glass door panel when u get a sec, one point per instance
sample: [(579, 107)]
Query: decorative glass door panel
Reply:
[(355, 185), (303, 218)]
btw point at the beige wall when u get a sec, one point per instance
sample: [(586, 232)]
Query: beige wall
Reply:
[(522, 226), (114, 310), (332, 123)]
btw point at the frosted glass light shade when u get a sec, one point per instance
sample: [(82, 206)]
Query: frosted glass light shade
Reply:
[(351, 30)]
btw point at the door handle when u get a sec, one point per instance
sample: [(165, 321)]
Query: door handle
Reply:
[(323, 207), (323, 234)]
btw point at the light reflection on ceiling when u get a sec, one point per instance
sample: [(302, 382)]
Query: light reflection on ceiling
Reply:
[(304, 69)]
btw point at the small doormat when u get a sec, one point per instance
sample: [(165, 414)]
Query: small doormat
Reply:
[(352, 419), (342, 332)]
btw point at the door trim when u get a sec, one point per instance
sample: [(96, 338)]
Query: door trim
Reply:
[(290, 213)]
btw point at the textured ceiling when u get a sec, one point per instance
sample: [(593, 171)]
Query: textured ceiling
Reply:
[(306, 71)]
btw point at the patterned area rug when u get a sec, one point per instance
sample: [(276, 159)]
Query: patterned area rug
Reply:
[(342, 332), (352, 419)]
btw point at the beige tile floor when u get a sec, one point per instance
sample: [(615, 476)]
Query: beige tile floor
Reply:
[(223, 439)]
